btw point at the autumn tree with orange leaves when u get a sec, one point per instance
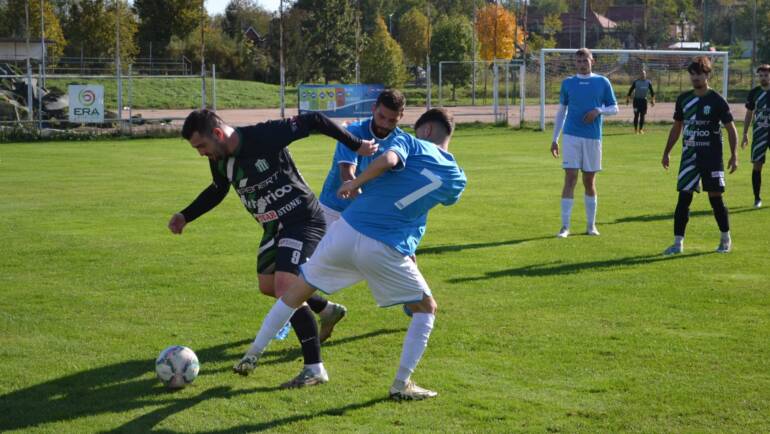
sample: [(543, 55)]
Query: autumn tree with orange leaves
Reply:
[(497, 29)]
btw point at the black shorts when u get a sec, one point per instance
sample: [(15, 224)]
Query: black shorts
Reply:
[(285, 248), (704, 169), (640, 105)]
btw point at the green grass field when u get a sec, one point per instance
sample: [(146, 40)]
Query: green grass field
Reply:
[(533, 334)]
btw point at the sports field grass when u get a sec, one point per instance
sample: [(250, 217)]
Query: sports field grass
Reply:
[(591, 334)]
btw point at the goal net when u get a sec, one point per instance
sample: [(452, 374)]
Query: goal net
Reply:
[(667, 69)]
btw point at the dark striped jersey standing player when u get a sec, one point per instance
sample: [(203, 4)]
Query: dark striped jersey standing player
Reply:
[(699, 116), (758, 111), (255, 161), (641, 88)]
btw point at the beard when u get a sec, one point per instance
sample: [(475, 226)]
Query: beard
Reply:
[(380, 132)]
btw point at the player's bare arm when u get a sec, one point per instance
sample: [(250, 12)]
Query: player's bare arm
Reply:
[(746, 125), (732, 139), (348, 173), (673, 137), (382, 164)]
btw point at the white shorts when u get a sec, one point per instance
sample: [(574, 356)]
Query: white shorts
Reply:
[(330, 215), (581, 153), (345, 257)]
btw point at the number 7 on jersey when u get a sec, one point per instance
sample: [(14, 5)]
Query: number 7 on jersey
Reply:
[(435, 184)]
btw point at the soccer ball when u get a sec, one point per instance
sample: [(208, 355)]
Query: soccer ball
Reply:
[(177, 366)]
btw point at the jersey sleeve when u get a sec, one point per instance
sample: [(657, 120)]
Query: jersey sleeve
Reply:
[(609, 94), (678, 112), (272, 136), (402, 147), (633, 86), (751, 100), (456, 182), (652, 91), (563, 94), (725, 116), (210, 197), (344, 155), (269, 137)]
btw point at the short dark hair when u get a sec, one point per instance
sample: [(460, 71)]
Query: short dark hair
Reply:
[(584, 52), (202, 121), (700, 65), (763, 68), (439, 116), (392, 99)]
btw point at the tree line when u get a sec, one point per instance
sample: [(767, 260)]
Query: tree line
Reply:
[(324, 40)]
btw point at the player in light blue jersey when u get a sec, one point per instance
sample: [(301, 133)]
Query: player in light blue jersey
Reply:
[(346, 165), (375, 237), (583, 101)]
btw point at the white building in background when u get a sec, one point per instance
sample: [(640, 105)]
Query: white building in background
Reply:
[(15, 49)]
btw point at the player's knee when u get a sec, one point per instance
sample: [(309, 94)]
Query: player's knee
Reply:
[(758, 166)]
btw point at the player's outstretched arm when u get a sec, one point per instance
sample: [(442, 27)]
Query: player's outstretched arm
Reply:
[(348, 173), (321, 123), (673, 136), (382, 164), (732, 139), (207, 200)]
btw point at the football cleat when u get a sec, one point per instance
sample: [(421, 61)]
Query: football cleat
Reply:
[(592, 231), (247, 364), (306, 377), (673, 250), (758, 204), (725, 246), (409, 392), (328, 321), (563, 232)]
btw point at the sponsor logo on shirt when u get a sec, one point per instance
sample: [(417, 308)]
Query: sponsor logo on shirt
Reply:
[(261, 165), (706, 109), (290, 243), (266, 217), (259, 186)]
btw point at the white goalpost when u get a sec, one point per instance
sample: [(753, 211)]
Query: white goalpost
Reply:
[(622, 65)]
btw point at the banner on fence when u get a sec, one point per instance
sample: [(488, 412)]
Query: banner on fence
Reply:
[(86, 103), (339, 100)]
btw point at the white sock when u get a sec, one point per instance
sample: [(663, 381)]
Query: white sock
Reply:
[(415, 341), (591, 210), (316, 368), (328, 309), (566, 211), (678, 241), (274, 321)]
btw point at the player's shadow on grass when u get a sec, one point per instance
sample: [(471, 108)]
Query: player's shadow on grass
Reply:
[(290, 354), (670, 216), (437, 250), (556, 268), (126, 386)]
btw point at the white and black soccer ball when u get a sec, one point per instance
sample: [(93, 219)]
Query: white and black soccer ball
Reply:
[(177, 366)]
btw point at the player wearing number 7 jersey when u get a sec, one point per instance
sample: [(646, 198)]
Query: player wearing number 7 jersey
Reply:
[(375, 237)]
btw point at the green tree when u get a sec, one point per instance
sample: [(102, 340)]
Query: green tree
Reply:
[(159, 20), (90, 29), (242, 14), (452, 41), (13, 23), (331, 39), (413, 28), (383, 59)]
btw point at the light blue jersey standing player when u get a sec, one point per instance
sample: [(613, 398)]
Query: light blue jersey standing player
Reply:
[(583, 100), (375, 238), (346, 165)]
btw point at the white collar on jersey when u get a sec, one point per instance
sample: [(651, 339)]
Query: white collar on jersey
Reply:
[(584, 76)]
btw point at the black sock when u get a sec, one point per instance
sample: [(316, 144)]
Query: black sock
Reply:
[(756, 183), (636, 120), (682, 213), (720, 213), (304, 324), (641, 121), (317, 303)]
